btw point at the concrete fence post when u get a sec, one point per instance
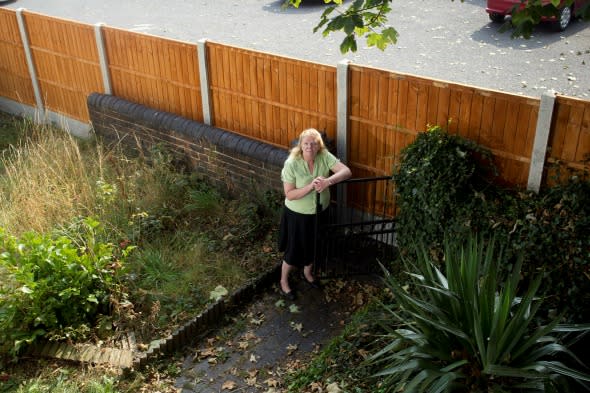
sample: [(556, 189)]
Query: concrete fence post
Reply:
[(542, 131), (342, 122), (204, 80), (342, 109), (30, 63), (102, 58)]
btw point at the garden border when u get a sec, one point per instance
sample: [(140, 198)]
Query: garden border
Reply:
[(131, 359)]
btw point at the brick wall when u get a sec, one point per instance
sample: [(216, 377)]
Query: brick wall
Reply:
[(233, 163)]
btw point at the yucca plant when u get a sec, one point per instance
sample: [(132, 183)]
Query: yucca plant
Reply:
[(468, 330)]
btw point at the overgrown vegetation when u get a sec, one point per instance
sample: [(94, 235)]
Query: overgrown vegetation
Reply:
[(445, 188), (97, 243)]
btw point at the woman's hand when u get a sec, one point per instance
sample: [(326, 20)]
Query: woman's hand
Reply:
[(321, 183)]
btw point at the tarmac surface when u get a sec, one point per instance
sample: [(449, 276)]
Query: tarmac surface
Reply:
[(272, 337), (447, 40)]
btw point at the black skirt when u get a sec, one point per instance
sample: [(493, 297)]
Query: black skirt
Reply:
[(297, 236)]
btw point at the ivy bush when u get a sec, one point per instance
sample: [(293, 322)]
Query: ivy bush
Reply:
[(439, 179), (55, 285), (445, 188)]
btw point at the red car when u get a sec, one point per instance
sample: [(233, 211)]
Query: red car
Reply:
[(498, 9)]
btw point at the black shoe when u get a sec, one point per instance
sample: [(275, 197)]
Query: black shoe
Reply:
[(288, 295), (315, 284)]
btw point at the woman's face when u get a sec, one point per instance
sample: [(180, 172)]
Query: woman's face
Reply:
[(309, 145)]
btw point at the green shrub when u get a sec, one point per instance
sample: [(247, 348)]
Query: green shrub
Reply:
[(55, 285), (444, 188), (439, 179), (464, 328)]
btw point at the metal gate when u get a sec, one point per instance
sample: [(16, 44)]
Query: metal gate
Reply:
[(359, 230)]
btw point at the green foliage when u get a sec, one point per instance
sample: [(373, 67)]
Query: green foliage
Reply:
[(466, 328), (439, 179), (362, 18), (369, 18), (442, 190), (526, 16), (55, 284)]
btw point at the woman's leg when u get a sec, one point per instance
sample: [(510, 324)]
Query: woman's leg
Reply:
[(285, 270), (308, 273)]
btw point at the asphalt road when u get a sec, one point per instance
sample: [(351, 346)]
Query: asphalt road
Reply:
[(442, 39)]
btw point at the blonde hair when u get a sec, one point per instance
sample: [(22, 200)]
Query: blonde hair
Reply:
[(296, 152)]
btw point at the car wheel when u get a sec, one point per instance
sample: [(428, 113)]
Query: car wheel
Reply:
[(565, 17), (497, 18)]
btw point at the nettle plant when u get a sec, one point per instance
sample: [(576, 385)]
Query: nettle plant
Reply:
[(55, 285)]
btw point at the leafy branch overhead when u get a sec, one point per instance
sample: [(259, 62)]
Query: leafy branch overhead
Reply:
[(369, 19), (362, 18)]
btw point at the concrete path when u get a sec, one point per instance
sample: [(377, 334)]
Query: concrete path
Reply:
[(272, 337)]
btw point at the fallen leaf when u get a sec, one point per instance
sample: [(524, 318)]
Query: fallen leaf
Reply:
[(297, 326), (257, 321), (249, 336), (218, 293), (243, 344), (251, 381), (293, 309), (271, 382), (228, 385), (291, 348), (253, 358), (333, 388), (280, 303)]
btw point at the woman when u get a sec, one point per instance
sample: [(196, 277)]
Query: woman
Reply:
[(305, 173)]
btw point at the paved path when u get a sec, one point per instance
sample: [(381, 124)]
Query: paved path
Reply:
[(441, 39), (272, 337)]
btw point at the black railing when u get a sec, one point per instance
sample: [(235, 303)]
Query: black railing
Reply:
[(360, 230)]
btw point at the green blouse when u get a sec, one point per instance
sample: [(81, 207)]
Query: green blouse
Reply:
[(295, 171)]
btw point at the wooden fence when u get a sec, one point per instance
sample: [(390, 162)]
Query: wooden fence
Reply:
[(52, 65)]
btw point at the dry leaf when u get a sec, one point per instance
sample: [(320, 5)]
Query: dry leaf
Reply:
[(243, 344), (253, 358), (228, 385), (249, 336), (251, 381), (333, 388), (297, 326), (291, 348), (271, 382)]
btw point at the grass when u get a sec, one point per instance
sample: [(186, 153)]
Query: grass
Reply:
[(189, 240)]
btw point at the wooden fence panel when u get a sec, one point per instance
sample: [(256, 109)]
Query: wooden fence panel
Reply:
[(15, 81), (273, 98), (160, 73), (270, 98), (387, 110), (66, 61), (569, 140)]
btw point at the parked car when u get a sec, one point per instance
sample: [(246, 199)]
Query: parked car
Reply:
[(499, 9)]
